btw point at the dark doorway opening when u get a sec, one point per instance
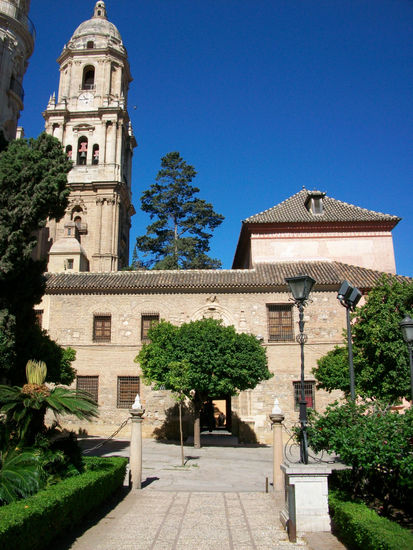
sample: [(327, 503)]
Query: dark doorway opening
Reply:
[(216, 414)]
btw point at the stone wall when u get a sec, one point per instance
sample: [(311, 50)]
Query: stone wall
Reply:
[(69, 320)]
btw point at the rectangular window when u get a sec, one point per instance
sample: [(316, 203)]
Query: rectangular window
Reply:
[(38, 315), (280, 322), (89, 384), (102, 328), (128, 387), (309, 392), (147, 321)]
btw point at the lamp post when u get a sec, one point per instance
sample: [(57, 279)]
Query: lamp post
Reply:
[(407, 330), (300, 287), (349, 296)]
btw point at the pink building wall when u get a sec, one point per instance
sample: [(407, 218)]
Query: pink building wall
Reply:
[(370, 249)]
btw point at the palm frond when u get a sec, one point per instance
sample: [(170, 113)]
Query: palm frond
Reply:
[(19, 475), (68, 401)]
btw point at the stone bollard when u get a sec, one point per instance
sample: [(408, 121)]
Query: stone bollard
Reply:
[(135, 458), (277, 418)]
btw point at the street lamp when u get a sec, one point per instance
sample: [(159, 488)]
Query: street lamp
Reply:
[(349, 296), (300, 287), (407, 330)]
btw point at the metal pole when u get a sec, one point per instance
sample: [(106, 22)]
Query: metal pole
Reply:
[(303, 402), (350, 355), (411, 368)]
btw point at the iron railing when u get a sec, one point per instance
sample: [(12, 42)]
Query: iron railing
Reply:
[(17, 88), (7, 8)]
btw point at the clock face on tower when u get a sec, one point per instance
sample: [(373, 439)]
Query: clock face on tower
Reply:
[(85, 98)]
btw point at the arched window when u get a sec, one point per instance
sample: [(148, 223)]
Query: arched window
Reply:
[(95, 158), (88, 82), (82, 151), (69, 152)]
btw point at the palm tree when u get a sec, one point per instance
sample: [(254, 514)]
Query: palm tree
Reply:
[(25, 407)]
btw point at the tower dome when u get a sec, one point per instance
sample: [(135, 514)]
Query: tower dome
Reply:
[(97, 29)]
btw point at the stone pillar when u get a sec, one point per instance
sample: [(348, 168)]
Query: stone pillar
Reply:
[(277, 450), (310, 484), (135, 458)]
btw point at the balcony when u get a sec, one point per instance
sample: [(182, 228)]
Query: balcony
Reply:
[(86, 86), (17, 88), (9, 9)]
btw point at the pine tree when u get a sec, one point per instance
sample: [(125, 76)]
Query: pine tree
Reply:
[(179, 237)]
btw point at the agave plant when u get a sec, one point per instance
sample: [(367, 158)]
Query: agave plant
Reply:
[(25, 407)]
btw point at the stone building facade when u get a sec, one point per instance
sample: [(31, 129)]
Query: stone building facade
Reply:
[(104, 314), (104, 317), (17, 34)]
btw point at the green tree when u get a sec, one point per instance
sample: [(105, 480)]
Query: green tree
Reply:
[(375, 441), (219, 360), (179, 237), (33, 188), (381, 359)]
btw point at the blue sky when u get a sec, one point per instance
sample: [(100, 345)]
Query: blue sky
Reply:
[(261, 97)]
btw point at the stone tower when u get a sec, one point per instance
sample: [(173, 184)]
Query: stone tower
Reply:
[(90, 118), (17, 35)]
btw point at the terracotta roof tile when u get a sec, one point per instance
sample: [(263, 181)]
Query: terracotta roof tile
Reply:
[(263, 276), (294, 210)]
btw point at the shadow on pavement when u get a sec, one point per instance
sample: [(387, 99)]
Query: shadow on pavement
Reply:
[(148, 481), (113, 446), (66, 540)]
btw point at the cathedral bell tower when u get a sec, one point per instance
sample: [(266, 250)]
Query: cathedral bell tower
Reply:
[(90, 118)]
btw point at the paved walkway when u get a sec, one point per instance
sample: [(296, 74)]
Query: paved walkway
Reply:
[(215, 502), (152, 520)]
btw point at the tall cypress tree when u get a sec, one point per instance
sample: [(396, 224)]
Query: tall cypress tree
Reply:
[(33, 188)]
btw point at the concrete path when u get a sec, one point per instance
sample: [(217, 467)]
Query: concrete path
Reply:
[(217, 501), (152, 520)]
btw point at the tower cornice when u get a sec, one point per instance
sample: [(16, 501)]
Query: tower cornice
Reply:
[(109, 53)]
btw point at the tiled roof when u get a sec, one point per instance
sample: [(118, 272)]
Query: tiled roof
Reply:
[(294, 210), (263, 276)]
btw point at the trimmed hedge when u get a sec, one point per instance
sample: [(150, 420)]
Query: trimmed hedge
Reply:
[(361, 528), (33, 522)]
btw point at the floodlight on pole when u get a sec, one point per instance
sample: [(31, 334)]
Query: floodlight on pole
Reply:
[(300, 287), (349, 296), (407, 330)]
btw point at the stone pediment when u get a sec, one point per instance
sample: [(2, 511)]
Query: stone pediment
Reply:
[(83, 127)]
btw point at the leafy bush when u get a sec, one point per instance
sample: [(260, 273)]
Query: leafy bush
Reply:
[(360, 528), (59, 455), (375, 441), (32, 523), (381, 357)]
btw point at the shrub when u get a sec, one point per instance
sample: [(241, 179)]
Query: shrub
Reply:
[(360, 528), (375, 441), (35, 521)]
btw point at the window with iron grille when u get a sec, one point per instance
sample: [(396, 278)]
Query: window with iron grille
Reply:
[(128, 387), (90, 384), (102, 328), (280, 322), (309, 392), (147, 321), (38, 316)]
